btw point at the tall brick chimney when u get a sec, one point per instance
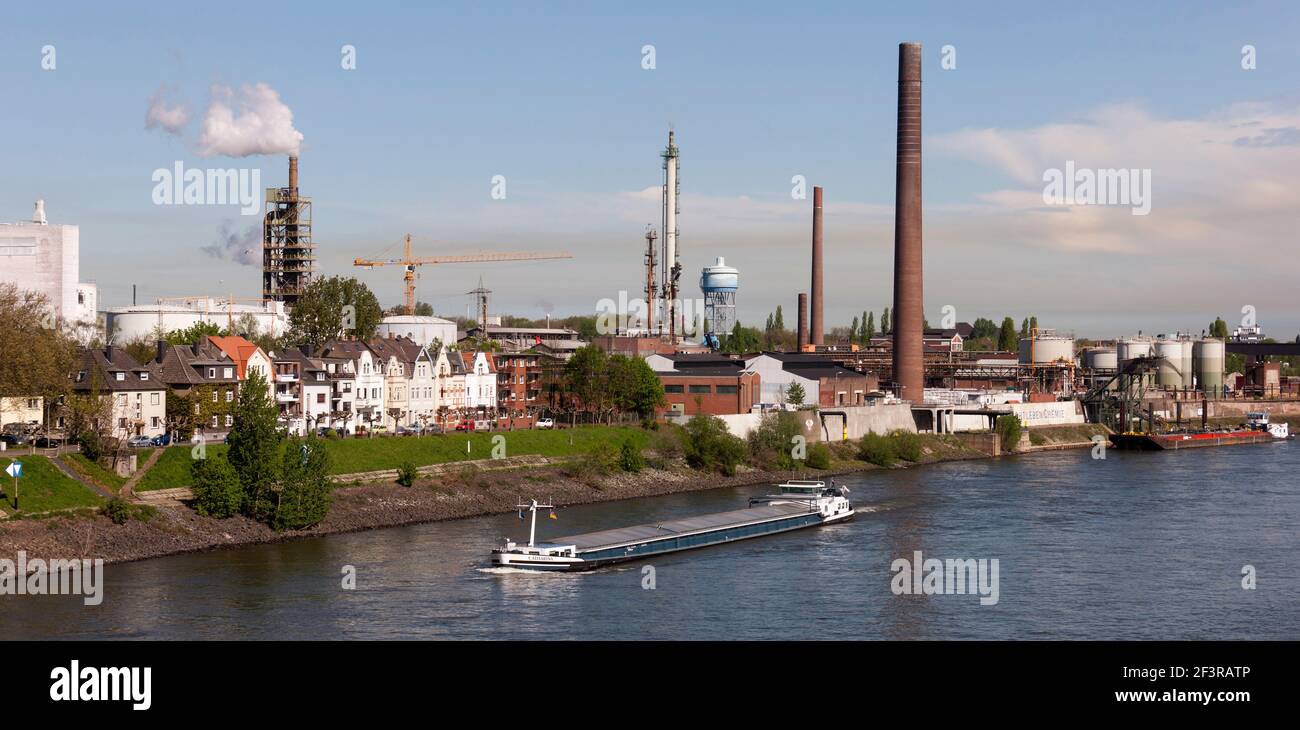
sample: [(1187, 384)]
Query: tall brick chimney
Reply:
[(803, 320), (908, 314), (818, 325)]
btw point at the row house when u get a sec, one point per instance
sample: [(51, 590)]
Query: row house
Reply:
[(342, 395), (302, 391), (204, 374), (248, 358), (480, 385), (138, 400), (367, 396)]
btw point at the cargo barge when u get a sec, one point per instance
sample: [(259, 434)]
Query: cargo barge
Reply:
[(1257, 430), (799, 504)]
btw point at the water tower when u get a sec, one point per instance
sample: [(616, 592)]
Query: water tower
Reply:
[(719, 283)]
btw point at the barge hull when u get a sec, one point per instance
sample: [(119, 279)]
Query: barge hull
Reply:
[(1174, 442)]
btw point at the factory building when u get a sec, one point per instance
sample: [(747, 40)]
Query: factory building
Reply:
[(716, 391), (150, 321), (46, 258)]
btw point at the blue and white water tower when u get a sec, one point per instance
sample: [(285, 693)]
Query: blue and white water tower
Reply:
[(719, 284)]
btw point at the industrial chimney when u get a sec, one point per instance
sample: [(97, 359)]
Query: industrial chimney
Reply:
[(803, 320), (818, 331), (908, 314), (293, 174), (39, 215)]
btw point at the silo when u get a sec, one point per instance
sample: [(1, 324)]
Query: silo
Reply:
[(1048, 349), (1208, 357), (1186, 369), (1170, 353), (1101, 358)]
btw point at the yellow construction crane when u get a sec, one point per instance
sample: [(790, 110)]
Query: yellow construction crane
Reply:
[(410, 262)]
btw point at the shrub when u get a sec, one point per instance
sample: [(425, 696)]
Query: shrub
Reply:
[(819, 456), (877, 449), (92, 446), (332, 434), (117, 510), (217, 492), (407, 473), (770, 444), (907, 445), (1008, 430), (666, 445), (709, 446), (629, 457)]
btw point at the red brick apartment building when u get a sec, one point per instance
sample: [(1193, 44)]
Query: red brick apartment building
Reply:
[(519, 384), (717, 392)]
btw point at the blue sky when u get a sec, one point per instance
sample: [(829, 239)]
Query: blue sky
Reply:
[(553, 97)]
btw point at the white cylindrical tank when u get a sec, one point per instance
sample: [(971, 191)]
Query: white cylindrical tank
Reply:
[(719, 277), (1101, 358), (422, 330), (1170, 353), (1186, 369), (1208, 355), (1044, 350)]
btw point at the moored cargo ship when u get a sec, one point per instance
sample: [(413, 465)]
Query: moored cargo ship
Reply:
[(799, 504), (1187, 440)]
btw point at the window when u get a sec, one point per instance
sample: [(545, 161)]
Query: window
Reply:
[(153, 422), (230, 420), (230, 395), (214, 396), (672, 389), (153, 399), (121, 423), (320, 397), (119, 376), (227, 372), (727, 389), (212, 372), (214, 421), (144, 375), (81, 375), (33, 403), (699, 389)]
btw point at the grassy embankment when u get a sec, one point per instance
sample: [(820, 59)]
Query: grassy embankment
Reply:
[(43, 488), (350, 456)]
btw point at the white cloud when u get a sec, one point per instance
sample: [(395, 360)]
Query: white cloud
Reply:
[(171, 118), (252, 121)]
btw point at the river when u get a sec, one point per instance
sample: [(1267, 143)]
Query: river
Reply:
[(1133, 546)]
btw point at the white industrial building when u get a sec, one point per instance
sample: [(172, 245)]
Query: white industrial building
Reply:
[(45, 258), (124, 324)]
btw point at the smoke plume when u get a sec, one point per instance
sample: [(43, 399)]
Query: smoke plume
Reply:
[(172, 119), (252, 121), (243, 248)]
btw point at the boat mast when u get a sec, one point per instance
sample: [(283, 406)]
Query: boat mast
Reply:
[(532, 529)]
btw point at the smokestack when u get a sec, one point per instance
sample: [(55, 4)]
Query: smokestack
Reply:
[(39, 215), (803, 320), (817, 333), (293, 173), (908, 315)]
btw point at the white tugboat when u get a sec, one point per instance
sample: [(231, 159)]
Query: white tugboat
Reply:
[(798, 504), (1259, 420)]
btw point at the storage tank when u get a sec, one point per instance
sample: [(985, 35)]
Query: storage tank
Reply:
[(1049, 349), (1168, 373), (1101, 358), (1207, 355), (1132, 348), (1188, 367)]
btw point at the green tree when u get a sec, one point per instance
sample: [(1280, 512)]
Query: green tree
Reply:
[(1033, 323), (304, 496), (255, 447), (853, 330), (191, 334), (771, 444), (778, 322), (1007, 336), (742, 339), (36, 354), (794, 394), (1024, 328), (885, 323), (634, 386), (216, 487), (586, 378), (868, 327), (321, 313), (709, 446), (982, 328), (1219, 329)]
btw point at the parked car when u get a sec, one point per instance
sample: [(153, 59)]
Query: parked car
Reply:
[(483, 425), (48, 442), (14, 439), (544, 423), (137, 442), (163, 440), (465, 425), (435, 428)]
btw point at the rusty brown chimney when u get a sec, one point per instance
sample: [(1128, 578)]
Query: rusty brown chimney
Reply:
[(293, 173), (908, 316), (818, 328), (803, 320)]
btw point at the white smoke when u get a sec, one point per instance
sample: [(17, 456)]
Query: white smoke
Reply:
[(251, 122), (172, 119), (243, 248)]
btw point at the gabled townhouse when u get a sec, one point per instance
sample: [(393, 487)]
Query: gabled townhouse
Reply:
[(422, 383), (248, 358), (451, 386), (480, 385), (342, 387), (200, 373), (303, 390), (368, 389), (139, 400), (388, 357)]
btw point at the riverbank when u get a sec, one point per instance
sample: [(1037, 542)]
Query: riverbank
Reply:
[(470, 490)]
